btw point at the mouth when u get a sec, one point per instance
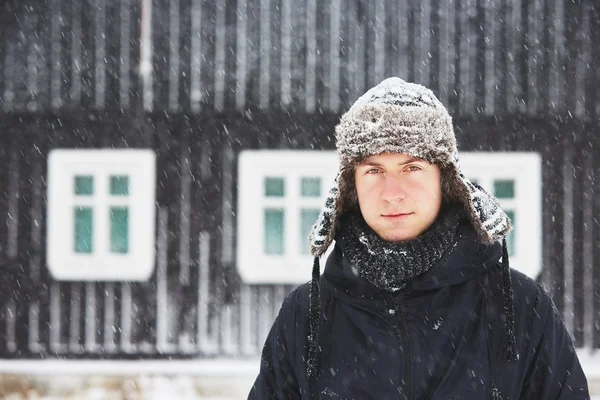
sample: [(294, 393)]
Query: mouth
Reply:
[(396, 216)]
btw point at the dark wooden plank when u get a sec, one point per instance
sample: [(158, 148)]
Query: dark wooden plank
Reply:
[(501, 59), (595, 177), (572, 11), (480, 77), (185, 55), (544, 74), (88, 56), (64, 56), (160, 54), (434, 59), (113, 29), (298, 53), (592, 101), (134, 83), (208, 36), (579, 225)]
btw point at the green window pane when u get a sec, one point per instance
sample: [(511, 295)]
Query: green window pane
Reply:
[(83, 230), (510, 239), (308, 217), (310, 187), (274, 231), (84, 185), (119, 229), (504, 189), (274, 187), (119, 185)]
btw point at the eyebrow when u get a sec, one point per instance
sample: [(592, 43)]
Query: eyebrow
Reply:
[(376, 164)]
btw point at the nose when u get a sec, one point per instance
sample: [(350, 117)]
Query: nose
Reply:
[(393, 189)]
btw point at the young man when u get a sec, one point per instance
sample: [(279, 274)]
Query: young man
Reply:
[(417, 300)]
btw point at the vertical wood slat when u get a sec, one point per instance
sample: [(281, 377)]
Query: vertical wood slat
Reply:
[(88, 54), (146, 60), (242, 40), (125, 60), (514, 46), (163, 309), (208, 46), (274, 100), (220, 55), (113, 32), (334, 53), (311, 56), (75, 317), (91, 325), (109, 344), (8, 94), (588, 226), (596, 234), (173, 56), (447, 52), (403, 44), (379, 41), (160, 55), (533, 55), (185, 57), (569, 289), (584, 60), (207, 339), (286, 50), (37, 246), (491, 54), (424, 43), (265, 64), (56, 66), (185, 202), (196, 56), (100, 53), (556, 82), (572, 22), (467, 60), (76, 53)]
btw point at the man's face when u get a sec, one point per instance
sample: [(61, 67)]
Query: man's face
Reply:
[(399, 195)]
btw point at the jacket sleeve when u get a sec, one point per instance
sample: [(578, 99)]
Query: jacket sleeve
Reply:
[(277, 378), (555, 371)]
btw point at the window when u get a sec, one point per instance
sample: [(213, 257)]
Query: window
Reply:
[(280, 197), (101, 214), (516, 181)]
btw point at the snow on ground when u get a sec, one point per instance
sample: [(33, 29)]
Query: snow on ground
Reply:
[(218, 379)]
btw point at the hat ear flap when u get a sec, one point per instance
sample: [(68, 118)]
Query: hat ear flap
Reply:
[(483, 209), (323, 231)]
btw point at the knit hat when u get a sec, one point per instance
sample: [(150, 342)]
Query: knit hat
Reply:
[(401, 117)]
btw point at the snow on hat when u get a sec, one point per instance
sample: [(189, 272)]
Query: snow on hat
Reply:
[(402, 117)]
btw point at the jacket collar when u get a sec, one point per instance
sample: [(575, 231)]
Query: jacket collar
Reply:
[(466, 259)]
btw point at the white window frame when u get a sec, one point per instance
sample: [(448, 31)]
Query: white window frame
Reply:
[(524, 168), (254, 266), (101, 264)]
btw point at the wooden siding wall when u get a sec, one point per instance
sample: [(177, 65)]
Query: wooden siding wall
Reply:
[(227, 76), (491, 57)]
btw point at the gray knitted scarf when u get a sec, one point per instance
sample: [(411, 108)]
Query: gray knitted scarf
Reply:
[(391, 266)]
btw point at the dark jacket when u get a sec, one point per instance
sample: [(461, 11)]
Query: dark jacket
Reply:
[(441, 338)]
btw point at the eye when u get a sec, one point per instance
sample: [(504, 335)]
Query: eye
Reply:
[(413, 168), (373, 171)]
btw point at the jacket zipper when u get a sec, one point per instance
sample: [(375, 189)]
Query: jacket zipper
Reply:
[(402, 337)]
